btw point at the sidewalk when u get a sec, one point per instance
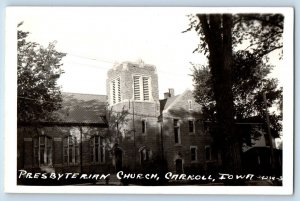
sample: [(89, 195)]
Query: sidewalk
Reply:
[(113, 181)]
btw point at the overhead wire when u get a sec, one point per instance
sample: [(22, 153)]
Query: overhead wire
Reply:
[(115, 62)]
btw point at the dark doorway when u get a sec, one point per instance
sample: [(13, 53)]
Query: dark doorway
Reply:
[(118, 159), (178, 164)]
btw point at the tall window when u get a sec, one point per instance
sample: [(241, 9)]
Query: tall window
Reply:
[(70, 150), (176, 131), (137, 92), (141, 88), (191, 126), (207, 153), (193, 150), (190, 104), (145, 155), (97, 149), (116, 90), (146, 88), (206, 127), (144, 126), (42, 150)]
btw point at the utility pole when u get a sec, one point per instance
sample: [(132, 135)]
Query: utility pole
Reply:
[(269, 132), (117, 124), (162, 139), (133, 125), (81, 140)]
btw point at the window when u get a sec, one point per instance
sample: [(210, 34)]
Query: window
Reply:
[(136, 83), (145, 155), (193, 150), (267, 140), (119, 89), (141, 88), (176, 131), (190, 104), (207, 153), (146, 88), (144, 126), (70, 150), (97, 149), (191, 126), (116, 90), (176, 122), (42, 150), (206, 127)]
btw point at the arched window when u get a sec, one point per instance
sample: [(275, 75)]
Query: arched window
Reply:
[(97, 149), (144, 126), (190, 104), (42, 150), (145, 155), (71, 150)]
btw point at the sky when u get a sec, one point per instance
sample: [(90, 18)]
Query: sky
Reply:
[(97, 38)]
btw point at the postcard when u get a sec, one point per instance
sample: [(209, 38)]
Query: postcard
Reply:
[(149, 100)]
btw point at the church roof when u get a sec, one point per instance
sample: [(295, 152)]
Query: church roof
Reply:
[(165, 103), (82, 108)]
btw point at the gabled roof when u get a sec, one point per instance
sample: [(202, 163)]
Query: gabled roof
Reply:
[(165, 103), (82, 108)]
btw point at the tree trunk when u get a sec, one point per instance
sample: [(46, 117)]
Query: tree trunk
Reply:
[(217, 30)]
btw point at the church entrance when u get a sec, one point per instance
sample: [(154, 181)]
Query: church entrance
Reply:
[(178, 166), (118, 159)]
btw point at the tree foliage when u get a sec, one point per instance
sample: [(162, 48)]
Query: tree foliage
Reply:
[(262, 33), (231, 86), (250, 81), (117, 121), (254, 36), (38, 70)]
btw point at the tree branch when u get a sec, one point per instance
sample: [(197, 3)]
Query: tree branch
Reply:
[(264, 40), (205, 27), (255, 17), (270, 50)]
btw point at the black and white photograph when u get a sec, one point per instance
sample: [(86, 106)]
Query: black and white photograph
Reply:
[(149, 100)]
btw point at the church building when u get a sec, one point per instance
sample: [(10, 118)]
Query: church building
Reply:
[(130, 129), (156, 135), (168, 131)]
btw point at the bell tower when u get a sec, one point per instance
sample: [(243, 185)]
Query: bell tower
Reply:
[(133, 83), (133, 86)]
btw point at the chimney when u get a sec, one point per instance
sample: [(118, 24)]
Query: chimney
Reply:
[(166, 95), (171, 92)]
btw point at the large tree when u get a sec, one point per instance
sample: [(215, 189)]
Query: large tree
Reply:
[(250, 81), (117, 121), (38, 71), (221, 38)]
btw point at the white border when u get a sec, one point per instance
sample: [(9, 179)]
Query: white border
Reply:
[(10, 111)]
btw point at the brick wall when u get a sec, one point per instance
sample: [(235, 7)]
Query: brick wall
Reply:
[(181, 110), (132, 142), (26, 136), (125, 72)]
